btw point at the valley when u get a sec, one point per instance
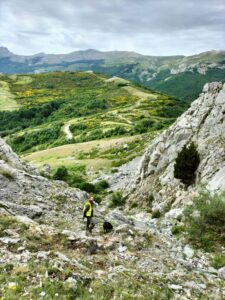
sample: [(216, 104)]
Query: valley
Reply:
[(68, 118), (168, 237)]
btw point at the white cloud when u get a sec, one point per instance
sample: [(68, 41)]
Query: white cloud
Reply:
[(151, 27)]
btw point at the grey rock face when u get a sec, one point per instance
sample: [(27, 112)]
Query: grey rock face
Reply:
[(204, 124), (124, 176), (46, 169), (12, 160), (24, 192), (218, 180), (221, 272)]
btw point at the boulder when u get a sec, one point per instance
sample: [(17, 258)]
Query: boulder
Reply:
[(221, 273), (9, 240), (175, 213)]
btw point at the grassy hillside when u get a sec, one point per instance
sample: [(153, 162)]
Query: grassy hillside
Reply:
[(64, 108), (7, 101)]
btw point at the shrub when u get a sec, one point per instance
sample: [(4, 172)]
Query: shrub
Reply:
[(121, 84), (176, 230), (75, 180), (114, 170), (61, 174), (150, 199), (88, 187), (156, 214), (97, 104), (117, 199), (206, 221), (148, 239), (134, 205), (119, 130), (50, 86), (186, 164), (101, 186), (77, 128), (143, 125), (95, 135), (97, 199), (29, 140), (218, 261), (118, 163), (26, 117)]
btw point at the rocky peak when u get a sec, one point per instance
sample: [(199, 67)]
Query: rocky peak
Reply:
[(204, 124)]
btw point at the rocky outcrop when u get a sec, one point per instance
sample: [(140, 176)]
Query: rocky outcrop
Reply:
[(204, 124), (7, 156), (123, 176), (24, 192)]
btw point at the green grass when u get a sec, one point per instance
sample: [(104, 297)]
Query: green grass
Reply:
[(117, 199), (23, 279), (124, 285), (7, 99), (205, 220), (178, 230), (95, 155), (218, 261), (8, 222), (34, 239)]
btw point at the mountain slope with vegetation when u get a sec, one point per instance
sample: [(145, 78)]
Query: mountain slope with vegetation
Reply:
[(174, 252), (178, 76), (61, 108)]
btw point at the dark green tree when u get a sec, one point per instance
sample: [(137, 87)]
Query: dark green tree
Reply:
[(186, 164)]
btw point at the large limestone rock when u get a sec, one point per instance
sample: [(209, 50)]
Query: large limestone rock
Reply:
[(9, 157), (24, 192), (204, 124)]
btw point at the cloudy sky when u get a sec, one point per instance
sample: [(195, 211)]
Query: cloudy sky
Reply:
[(154, 27)]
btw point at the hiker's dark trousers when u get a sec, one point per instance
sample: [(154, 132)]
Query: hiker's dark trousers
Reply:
[(90, 225)]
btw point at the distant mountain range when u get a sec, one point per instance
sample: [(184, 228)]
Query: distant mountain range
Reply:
[(179, 76)]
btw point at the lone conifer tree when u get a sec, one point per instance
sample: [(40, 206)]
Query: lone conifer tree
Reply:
[(186, 164)]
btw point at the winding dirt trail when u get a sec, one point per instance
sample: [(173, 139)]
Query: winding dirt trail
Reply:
[(68, 133)]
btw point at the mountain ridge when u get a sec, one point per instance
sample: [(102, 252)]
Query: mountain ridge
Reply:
[(92, 50), (178, 76)]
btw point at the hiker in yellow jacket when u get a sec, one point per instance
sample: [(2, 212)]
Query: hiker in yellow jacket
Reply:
[(88, 214)]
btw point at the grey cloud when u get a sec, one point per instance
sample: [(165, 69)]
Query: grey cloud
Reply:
[(32, 32), (147, 26)]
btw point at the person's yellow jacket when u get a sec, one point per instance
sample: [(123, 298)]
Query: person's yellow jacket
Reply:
[(88, 209)]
